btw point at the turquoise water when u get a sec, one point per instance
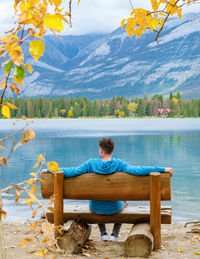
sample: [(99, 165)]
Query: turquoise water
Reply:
[(164, 142)]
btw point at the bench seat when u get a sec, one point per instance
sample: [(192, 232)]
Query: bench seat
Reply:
[(130, 215)]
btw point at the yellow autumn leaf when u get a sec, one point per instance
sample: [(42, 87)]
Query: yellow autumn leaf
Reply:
[(79, 2), (154, 5), (138, 32), (53, 166), (53, 22), (164, 14), (1, 147), (34, 188), (179, 13), (17, 197), (122, 23), (46, 227), (17, 81), (46, 239), (29, 68), (6, 39), (33, 197), (2, 85), (168, 8), (40, 158), (36, 49), (197, 253), (68, 14), (11, 106), (3, 160), (162, 22), (3, 213), (26, 201), (174, 10), (57, 2), (17, 55), (34, 213), (41, 253), (63, 18), (28, 135), (31, 181), (181, 250), (155, 23), (36, 165), (25, 241), (11, 44), (1, 203), (5, 111), (34, 225), (14, 89), (33, 174)]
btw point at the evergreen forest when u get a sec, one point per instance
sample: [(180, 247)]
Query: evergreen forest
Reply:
[(157, 106)]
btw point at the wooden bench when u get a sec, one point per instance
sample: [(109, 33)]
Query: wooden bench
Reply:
[(116, 186)]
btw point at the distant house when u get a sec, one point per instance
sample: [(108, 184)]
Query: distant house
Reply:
[(163, 111)]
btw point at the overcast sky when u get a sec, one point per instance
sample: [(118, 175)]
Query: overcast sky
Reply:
[(91, 16)]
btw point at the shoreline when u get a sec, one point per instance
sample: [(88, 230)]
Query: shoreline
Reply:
[(176, 243), (106, 117)]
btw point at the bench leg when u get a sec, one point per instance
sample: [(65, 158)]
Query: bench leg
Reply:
[(58, 202), (155, 209)]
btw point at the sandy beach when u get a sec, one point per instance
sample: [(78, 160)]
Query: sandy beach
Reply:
[(176, 243)]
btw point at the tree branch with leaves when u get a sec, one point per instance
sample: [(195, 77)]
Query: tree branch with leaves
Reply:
[(155, 19)]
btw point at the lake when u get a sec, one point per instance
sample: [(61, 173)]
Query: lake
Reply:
[(164, 142)]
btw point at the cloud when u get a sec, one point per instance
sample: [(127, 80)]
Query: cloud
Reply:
[(7, 12)]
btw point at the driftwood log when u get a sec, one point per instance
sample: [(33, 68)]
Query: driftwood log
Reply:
[(74, 237), (140, 241)]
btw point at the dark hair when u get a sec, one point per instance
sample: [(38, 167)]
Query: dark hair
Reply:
[(107, 145)]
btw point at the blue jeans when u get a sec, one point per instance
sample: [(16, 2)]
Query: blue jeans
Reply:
[(116, 227)]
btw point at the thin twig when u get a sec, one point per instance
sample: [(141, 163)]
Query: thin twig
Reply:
[(7, 78), (2, 96), (131, 4), (17, 185), (70, 12), (164, 22), (10, 136)]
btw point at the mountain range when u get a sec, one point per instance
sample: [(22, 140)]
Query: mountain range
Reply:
[(103, 66)]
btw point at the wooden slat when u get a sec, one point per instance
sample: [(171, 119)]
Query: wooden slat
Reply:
[(155, 206), (116, 186), (130, 215), (58, 202)]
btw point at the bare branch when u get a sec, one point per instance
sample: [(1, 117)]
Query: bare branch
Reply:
[(10, 136), (70, 12), (2, 96), (156, 39), (131, 4)]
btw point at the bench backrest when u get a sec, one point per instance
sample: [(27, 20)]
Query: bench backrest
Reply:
[(116, 186)]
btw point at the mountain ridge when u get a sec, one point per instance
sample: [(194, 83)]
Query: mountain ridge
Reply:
[(102, 66)]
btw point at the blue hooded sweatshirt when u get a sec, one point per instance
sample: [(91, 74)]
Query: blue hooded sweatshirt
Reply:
[(108, 167)]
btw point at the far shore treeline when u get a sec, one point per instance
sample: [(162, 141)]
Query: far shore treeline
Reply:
[(118, 106)]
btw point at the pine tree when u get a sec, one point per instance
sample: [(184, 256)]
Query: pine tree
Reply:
[(140, 109)]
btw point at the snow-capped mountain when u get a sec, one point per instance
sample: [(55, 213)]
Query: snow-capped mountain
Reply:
[(102, 66)]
